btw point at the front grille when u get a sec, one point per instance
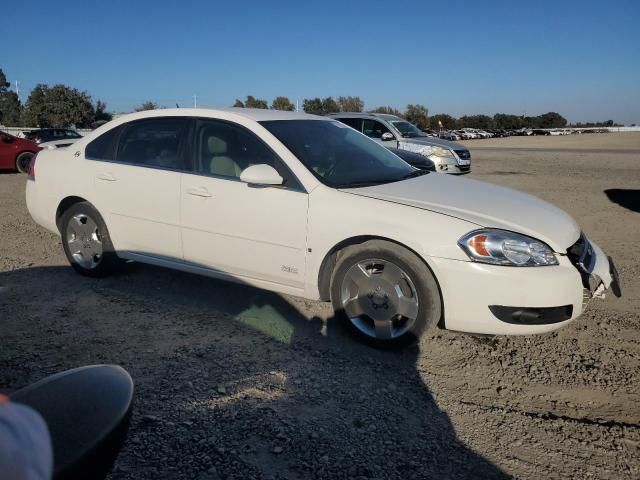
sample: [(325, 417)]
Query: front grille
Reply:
[(464, 168), (463, 154)]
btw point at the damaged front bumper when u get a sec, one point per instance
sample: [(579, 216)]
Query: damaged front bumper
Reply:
[(598, 272)]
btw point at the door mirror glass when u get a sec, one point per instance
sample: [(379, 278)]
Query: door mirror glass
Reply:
[(261, 175), (387, 136)]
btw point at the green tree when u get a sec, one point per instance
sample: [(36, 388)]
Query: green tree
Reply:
[(551, 120), (238, 104), (10, 107), (252, 102), (387, 111), (476, 121), (313, 106), (350, 104), (447, 121), (148, 105), (418, 115), (101, 112), (510, 122), (282, 103), (329, 105), (58, 106)]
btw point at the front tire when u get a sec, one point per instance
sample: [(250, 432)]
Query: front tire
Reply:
[(86, 241), (23, 161), (386, 296)]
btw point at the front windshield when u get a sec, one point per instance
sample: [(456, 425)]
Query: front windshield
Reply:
[(407, 129), (338, 155)]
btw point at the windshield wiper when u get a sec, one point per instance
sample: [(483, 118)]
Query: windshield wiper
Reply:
[(417, 173)]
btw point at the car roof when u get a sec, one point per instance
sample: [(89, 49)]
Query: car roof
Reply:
[(256, 114), (383, 116)]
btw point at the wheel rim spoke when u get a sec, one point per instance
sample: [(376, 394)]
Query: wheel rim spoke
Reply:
[(384, 329), (353, 307), (359, 275), (393, 274), (407, 307)]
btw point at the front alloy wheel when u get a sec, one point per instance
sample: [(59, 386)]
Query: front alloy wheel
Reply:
[(386, 295), (380, 299)]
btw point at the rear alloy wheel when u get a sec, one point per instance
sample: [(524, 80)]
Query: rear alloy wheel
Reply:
[(86, 241), (386, 294), (23, 161)]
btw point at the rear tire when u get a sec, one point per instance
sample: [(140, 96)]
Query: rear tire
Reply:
[(86, 241), (386, 296), (23, 161)]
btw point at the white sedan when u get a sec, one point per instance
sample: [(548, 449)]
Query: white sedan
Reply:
[(307, 206)]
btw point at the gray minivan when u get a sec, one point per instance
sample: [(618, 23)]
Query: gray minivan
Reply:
[(392, 131)]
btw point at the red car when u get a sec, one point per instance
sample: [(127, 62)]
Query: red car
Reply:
[(16, 153)]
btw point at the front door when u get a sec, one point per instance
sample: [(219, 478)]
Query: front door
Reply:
[(247, 232)]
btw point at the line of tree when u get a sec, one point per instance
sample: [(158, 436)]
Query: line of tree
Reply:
[(62, 106), (58, 106)]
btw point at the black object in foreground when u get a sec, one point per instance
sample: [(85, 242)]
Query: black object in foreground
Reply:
[(87, 410)]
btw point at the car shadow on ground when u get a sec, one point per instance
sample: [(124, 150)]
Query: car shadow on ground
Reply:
[(232, 381), (627, 198)]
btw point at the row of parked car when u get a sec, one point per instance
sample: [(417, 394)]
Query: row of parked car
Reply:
[(16, 152), (473, 133)]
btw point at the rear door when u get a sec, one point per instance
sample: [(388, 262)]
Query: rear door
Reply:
[(137, 169)]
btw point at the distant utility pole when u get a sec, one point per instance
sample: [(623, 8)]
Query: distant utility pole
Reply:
[(195, 101), (18, 90), (297, 108)]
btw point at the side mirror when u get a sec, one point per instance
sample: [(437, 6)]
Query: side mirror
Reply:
[(7, 139), (261, 175), (87, 411), (386, 136)]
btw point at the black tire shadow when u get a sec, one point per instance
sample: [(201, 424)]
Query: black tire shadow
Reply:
[(627, 198), (232, 377)]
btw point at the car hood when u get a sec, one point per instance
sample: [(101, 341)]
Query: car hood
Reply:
[(433, 141), (483, 204)]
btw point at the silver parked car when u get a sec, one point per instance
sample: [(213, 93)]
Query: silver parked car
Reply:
[(392, 131)]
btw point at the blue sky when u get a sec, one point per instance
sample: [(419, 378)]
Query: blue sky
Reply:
[(580, 58)]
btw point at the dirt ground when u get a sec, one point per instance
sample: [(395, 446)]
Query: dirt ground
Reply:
[(237, 383)]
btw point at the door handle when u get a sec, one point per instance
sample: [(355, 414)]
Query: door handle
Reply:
[(107, 177), (199, 192)]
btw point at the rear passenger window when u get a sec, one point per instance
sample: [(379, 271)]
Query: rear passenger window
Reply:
[(155, 142), (355, 123), (104, 147)]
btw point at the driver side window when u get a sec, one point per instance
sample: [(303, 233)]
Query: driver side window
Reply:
[(224, 149)]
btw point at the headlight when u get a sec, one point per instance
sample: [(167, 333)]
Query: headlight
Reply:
[(501, 247), (441, 152)]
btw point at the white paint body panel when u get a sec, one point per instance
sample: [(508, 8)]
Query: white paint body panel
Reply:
[(277, 239)]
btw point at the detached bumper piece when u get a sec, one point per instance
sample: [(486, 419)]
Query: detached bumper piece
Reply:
[(532, 315), (615, 282)]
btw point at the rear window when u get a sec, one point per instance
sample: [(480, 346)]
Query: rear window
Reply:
[(104, 147)]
